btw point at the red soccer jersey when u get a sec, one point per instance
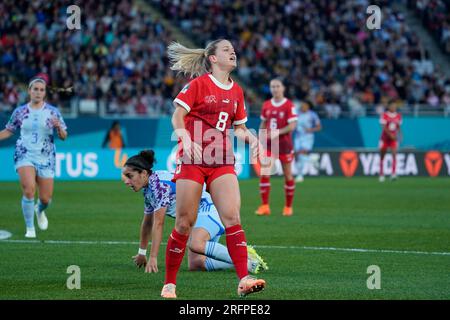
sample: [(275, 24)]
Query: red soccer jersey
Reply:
[(392, 120), (212, 108), (277, 116)]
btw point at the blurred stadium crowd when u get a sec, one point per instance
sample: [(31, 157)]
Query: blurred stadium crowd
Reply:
[(322, 49), (436, 18), (117, 58)]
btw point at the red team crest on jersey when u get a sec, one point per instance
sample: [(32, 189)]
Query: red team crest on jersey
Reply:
[(210, 99)]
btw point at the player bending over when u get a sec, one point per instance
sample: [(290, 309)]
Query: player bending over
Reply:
[(205, 251)]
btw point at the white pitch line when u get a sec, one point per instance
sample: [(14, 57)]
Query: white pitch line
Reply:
[(358, 250), (69, 242)]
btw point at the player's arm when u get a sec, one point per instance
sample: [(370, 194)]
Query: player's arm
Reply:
[(157, 233), (146, 228), (242, 133), (262, 129), (189, 147), (263, 124), (60, 128), (62, 134), (289, 128), (317, 126), (385, 129), (5, 134)]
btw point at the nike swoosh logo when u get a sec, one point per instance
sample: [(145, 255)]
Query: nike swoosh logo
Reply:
[(226, 101)]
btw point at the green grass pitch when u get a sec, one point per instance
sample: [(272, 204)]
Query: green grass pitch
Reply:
[(402, 225)]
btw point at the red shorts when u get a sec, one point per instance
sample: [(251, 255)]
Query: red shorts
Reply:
[(201, 174), (385, 144), (284, 158)]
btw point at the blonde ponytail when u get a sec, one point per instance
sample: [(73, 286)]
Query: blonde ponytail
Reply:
[(191, 62)]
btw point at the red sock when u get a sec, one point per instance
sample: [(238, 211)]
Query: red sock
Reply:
[(264, 189), (174, 255), (237, 248), (381, 165), (394, 163), (289, 190)]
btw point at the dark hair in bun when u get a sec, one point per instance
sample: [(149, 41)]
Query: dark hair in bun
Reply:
[(143, 161)]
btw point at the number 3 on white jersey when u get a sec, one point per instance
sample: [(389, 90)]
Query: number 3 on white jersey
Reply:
[(222, 123)]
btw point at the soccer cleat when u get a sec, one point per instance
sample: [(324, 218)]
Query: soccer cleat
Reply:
[(381, 179), (250, 284), (168, 291), (393, 177), (31, 233), (263, 210), (253, 265), (299, 178), (287, 211), (41, 218), (252, 254)]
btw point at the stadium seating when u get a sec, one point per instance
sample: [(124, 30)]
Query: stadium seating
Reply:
[(323, 50), (435, 15), (117, 58)]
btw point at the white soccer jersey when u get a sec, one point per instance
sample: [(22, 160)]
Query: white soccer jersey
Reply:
[(36, 139)]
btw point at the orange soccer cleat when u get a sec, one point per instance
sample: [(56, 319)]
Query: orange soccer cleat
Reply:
[(263, 210), (287, 211), (250, 284)]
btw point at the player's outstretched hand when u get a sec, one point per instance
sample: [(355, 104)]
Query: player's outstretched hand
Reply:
[(139, 260), (152, 265)]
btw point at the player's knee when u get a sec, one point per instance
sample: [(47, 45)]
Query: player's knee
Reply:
[(29, 192), (231, 220), (197, 246), (183, 226), (45, 200), (196, 265)]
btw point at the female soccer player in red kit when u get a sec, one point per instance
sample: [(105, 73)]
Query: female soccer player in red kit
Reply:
[(390, 121), (205, 109), (278, 118)]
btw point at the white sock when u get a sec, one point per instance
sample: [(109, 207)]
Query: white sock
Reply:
[(28, 211), (303, 159), (217, 251)]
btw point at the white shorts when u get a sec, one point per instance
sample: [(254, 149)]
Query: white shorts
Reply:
[(42, 171), (301, 145)]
